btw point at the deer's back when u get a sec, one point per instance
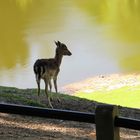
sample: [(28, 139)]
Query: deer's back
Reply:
[(46, 68)]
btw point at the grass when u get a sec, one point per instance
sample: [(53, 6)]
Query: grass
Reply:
[(127, 96), (19, 96)]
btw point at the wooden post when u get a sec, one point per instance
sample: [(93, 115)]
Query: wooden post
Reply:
[(104, 119)]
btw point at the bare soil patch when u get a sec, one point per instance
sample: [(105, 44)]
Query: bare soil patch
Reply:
[(109, 82)]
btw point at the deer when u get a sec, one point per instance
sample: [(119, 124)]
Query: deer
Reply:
[(48, 69)]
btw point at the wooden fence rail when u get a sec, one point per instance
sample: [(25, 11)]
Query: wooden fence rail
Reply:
[(105, 117)]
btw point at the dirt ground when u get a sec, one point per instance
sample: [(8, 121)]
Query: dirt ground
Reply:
[(15, 127), (113, 81)]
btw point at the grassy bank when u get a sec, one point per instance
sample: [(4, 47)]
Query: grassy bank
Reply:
[(30, 97)]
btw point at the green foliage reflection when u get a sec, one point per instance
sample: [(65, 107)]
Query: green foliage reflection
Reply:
[(122, 15), (12, 45), (121, 20)]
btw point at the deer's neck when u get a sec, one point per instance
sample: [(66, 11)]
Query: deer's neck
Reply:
[(58, 59)]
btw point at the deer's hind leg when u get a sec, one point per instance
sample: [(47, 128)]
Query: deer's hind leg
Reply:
[(47, 82), (55, 84), (38, 84)]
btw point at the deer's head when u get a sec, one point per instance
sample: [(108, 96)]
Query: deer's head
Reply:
[(62, 49)]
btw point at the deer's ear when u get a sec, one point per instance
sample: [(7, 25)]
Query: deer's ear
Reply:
[(59, 43), (56, 43)]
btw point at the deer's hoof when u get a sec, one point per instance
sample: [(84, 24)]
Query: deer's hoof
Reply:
[(58, 100), (51, 99)]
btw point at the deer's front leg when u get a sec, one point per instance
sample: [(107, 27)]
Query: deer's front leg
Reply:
[(46, 91), (50, 85), (55, 86), (55, 80)]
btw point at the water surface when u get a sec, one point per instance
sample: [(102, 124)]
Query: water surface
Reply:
[(104, 37)]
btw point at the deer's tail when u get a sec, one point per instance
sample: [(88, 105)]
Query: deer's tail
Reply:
[(39, 69)]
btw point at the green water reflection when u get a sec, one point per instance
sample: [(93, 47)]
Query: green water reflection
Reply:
[(104, 32)]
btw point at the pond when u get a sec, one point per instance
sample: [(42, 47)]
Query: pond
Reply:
[(103, 36)]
